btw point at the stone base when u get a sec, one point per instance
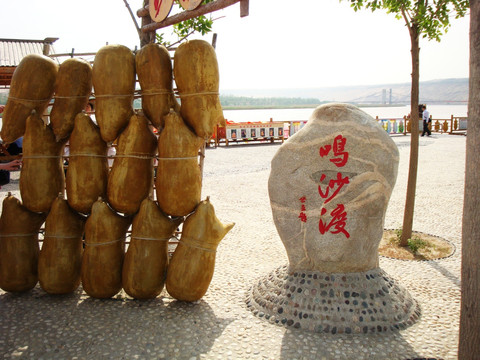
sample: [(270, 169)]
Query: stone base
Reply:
[(365, 302)]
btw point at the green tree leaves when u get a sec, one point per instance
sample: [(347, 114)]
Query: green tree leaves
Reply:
[(184, 29), (432, 18)]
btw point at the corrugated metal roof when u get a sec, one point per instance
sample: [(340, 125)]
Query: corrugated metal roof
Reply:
[(12, 51)]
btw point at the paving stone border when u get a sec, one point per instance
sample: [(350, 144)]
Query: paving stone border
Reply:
[(454, 249), (39, 326), (352, 303)]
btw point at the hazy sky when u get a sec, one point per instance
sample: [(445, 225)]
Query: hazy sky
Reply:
[(281, 44)]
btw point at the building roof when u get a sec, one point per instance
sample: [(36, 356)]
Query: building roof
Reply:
[(12, 51)]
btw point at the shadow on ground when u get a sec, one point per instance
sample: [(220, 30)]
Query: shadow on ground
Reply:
[(35, 325), (358, 346)]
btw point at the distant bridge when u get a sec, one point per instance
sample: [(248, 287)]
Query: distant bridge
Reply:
[(389, 99)]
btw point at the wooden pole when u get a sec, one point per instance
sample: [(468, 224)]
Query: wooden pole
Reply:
[(214, 40), (133, 17), (146, 38), (413, 165), (72, 54), (202, 149), (186, 15), (469, 344), (244, 8)]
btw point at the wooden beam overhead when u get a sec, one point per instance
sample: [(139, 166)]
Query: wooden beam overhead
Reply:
[(185, 15), (244, 8)]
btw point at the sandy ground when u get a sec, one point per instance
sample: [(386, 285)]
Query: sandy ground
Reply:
[(36, 325)]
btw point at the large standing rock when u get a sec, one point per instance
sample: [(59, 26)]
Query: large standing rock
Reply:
[(329, 188)]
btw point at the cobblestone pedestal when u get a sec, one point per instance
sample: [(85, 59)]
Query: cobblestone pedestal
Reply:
[(352, 303)]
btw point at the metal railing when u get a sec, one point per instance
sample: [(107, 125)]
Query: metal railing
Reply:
[(455, 125)]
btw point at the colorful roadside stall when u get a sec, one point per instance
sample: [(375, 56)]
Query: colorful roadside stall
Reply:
[(295, 126), (250, 131)]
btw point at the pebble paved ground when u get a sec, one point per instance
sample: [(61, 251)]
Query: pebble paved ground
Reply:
[(36, 325)]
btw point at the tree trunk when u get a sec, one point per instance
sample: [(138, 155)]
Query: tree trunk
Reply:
[(469, 345), (149, 37), (412, 169)]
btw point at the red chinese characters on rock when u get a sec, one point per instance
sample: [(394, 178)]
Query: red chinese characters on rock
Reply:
[(303, 216), (337, 223), (340, 155), (334, 184), (338, 215)]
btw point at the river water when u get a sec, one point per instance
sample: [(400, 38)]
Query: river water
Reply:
[(286, 115)]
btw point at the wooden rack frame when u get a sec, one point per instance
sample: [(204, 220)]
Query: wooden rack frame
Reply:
[(186, 15)]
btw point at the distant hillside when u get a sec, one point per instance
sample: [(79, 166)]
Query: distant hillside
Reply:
[(247, 102), (446, 91), (436, 91)]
